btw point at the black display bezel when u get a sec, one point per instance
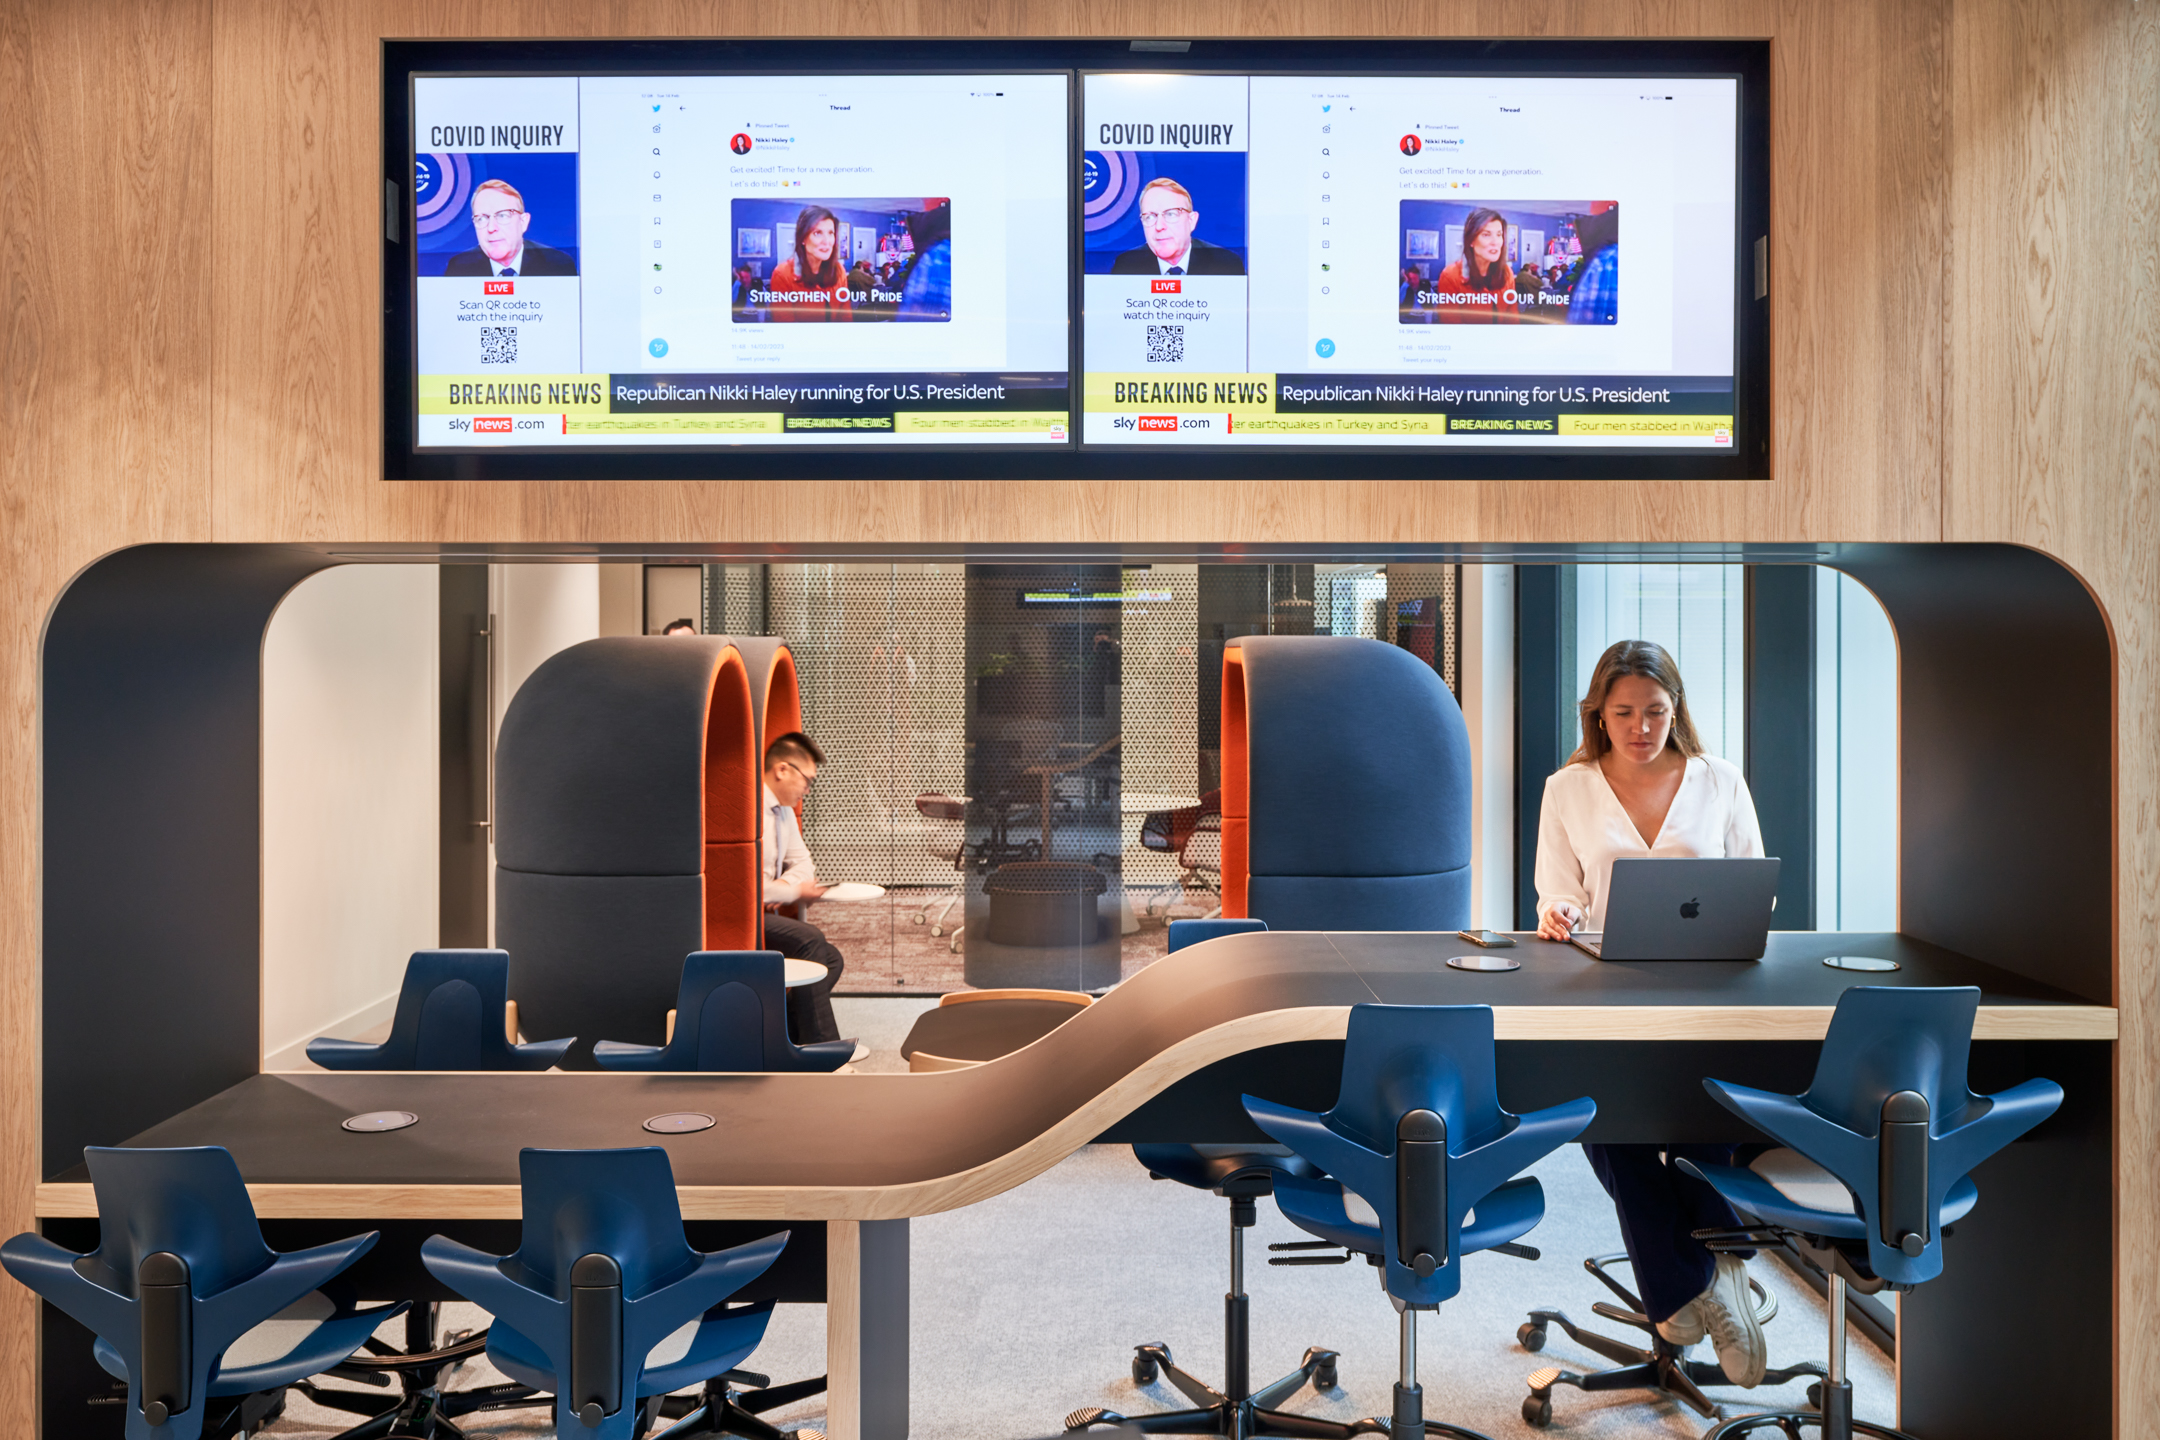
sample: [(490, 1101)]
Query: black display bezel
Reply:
[(1746, 61)]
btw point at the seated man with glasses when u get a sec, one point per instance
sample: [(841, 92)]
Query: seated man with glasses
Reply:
[(499, 219), (1167, 222), (791, 763)]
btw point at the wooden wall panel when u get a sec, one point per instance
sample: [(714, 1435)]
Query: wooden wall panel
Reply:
[(1965, 277), (2054, 441)]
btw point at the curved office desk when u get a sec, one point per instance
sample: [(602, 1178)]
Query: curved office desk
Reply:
[(1165, 1056)]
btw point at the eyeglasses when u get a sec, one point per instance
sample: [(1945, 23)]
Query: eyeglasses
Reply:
[(1175, 215), (809, 777), (494, 219)]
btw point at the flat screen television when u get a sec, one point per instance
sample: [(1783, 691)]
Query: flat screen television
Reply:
[(1075, 259)]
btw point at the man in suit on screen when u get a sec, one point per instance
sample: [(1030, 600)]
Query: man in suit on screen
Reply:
[(1168, 219), (499, 219)]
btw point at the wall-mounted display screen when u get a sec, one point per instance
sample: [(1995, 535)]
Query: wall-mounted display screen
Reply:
[(1409, 261), (1076, 258), (636, 261)]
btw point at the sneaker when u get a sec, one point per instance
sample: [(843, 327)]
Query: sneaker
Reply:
[(1684, 1327), (1728, 1313)]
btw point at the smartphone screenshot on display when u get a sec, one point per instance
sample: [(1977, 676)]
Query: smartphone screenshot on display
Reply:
[(1409, 261), (741, 260)]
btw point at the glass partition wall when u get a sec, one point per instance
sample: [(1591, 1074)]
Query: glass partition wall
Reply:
[(1027, 758)]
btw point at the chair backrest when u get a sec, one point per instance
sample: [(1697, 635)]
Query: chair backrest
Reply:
[(450, 1012), (1346, 787), (1193, 932), (1885, 1039), (620, 1203), (189, 1202), (731, 1014)]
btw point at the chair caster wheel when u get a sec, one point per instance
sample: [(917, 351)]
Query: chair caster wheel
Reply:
[(1531, 1337), (1814, 1396), (938, 930), (1325, 1376), (1144, 1370), (924, 920), (1537, 1411)]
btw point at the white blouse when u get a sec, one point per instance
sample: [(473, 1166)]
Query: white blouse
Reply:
[(1583, 828)]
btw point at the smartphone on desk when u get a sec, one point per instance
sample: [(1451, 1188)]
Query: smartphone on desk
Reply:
[(1489, 939)]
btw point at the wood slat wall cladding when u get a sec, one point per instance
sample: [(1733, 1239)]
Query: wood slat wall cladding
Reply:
[(1966, 279)]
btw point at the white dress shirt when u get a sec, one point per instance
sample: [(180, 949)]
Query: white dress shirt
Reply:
[(1583, 828), (783, 860)]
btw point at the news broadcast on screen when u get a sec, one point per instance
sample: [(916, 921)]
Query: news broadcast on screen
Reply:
[(1417, 261), (1548, 254), (716, 260)]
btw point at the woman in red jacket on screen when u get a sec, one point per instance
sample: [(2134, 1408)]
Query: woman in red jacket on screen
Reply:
[(1478, 288), (811, 284)]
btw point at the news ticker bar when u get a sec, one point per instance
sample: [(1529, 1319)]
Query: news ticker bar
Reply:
[(1037, 404)]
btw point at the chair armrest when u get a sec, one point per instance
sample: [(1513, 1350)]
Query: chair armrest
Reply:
[(478, 1276), (237, 1309), (826, 1056), (49, 1271), (541, 1054), (510, 1021), (1478, 1173), (615, 1055), (343, 1054), (1850, 1157), (1307, 1135), (2010, 1113)]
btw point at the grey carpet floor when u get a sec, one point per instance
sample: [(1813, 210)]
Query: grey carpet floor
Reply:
[(1027, 1306)]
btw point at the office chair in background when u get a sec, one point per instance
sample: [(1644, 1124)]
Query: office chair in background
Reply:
[(1417, 1163), (453, 1013), (1243, 1175), (606, 1305), (1878, 1166), (1194, 835), (205, 1322), (730, 1014)]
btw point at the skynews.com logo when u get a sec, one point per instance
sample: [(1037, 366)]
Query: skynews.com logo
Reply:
[(499, 287), (1165, 287), (491, 425), (1157, 422)]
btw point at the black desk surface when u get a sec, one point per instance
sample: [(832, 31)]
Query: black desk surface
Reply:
[(881, 1146)]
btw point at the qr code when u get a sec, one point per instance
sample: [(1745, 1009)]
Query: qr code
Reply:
[(1165, 344), (498, 344)]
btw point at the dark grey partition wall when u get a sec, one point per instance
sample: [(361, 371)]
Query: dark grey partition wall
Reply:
[(151, 733), (152, 753)]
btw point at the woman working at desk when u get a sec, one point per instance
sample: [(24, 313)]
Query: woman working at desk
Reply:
[(1640, 785)]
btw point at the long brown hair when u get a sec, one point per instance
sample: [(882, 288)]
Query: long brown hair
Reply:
[(1623, 658), (806, 274), (1494, 276)]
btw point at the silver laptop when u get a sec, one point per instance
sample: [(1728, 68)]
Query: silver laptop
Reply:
[(1685, 910)]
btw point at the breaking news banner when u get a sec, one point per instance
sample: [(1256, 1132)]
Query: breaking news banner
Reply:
[(827, 261), (1508, 262), (738, 405), (1690, 410)]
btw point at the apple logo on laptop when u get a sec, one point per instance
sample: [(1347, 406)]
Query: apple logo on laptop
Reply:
[(1691, 909)]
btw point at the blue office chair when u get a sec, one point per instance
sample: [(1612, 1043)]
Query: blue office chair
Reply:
[(606, 1305), (204, 1321), (1243, 1175), (730, 1014), (1418, 1163), (449, 1017), (1877, 1165)]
